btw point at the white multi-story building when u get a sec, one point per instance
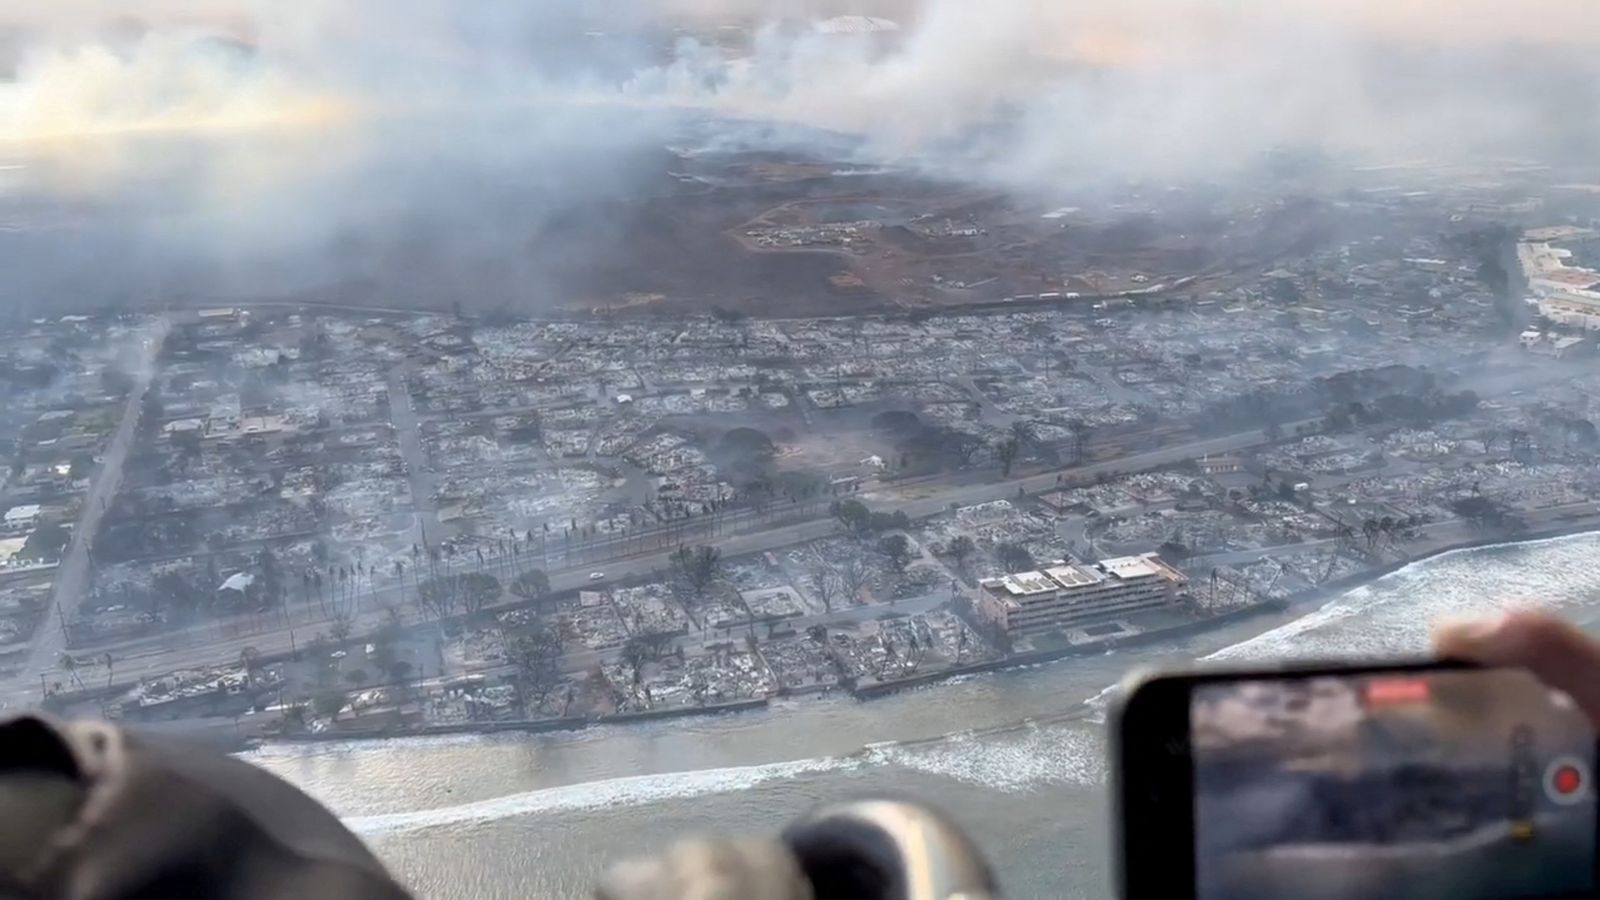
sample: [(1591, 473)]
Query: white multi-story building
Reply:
[(1572, 310), (1069, 595)]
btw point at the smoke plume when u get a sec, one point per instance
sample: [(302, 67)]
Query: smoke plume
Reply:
[(427, 152)]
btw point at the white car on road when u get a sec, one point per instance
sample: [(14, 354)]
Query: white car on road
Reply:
[(597, 576)]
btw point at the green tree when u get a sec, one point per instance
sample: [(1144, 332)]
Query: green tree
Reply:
[(897, 550), (271, 575), (960, 548), (46, 542), (531, 584), (536, 655), (1007, 450), (823, 584), (897, 422), (327, 704), (250, 662), (69, 665), (441, 596), (478, 590), (883, 521), (1014, 557), (635, 654), (151, 410), (697, 566), (1022, 432), (748, 444), (852, 515), (294, 718)]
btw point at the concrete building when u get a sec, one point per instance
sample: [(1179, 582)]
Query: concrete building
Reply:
[(1555, 346), (1219, 465), (1572, 310), (22, 517), (1068, 595)]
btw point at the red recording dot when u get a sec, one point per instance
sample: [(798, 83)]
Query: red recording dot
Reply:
[(1567, 780)]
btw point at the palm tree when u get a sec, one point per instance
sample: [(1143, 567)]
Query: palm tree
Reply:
[(70, 666), (250, 660)]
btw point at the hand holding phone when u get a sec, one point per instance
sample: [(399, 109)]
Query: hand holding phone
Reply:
[(1414, 780)]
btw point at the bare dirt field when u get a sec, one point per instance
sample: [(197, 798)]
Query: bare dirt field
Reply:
[(754, 233)]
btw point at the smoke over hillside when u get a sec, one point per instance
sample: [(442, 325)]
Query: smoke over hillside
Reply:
[(420, 150)]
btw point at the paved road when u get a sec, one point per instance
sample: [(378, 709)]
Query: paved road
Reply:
[(403, 416), (72, 576), (937, 499), (205, 645)]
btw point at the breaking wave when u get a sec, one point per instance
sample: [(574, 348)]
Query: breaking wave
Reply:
[(610, 792), (1393, 615), (1009, 758), (1027, 756)]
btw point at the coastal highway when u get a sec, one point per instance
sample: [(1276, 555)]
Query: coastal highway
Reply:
[(220, 643)]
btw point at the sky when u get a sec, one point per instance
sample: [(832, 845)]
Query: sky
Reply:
[(227, 136)]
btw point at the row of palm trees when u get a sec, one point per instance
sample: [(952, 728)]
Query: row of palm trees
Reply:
[(74, 666)]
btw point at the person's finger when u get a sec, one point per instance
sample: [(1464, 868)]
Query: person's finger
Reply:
[(1551, 647)]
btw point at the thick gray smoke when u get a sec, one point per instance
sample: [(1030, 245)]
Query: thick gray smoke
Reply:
[(1036, 91), (383, 153), (399, 152)]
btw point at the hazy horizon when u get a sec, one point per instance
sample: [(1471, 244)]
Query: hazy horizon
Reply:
[(251, 149)]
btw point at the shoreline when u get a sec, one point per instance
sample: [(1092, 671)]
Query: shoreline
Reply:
[(1586, 523)]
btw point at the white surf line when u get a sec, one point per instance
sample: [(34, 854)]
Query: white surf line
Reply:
[(632, 790)]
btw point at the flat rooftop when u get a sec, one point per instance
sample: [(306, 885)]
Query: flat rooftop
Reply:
[(1128, 567), (1572, 277), (1070, 577), (1073, 576), (1027, 583), (1555, 233)]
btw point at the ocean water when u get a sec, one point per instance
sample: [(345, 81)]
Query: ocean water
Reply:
[(1018, 757)]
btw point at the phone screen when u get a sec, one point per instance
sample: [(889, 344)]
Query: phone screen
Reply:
[(1448, 783)]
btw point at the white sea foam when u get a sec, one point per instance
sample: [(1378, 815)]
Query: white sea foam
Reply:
[(611, 792), (1100, 704), (1015, 760), (387, 746), (1393, 614)]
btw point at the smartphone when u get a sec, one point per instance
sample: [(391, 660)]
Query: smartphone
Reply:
[(1412, 780)]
